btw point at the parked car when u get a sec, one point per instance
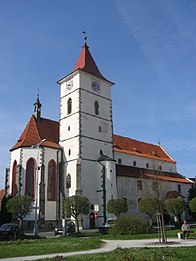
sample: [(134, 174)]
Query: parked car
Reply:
[(110, 222), (58, 230), (9, 231)]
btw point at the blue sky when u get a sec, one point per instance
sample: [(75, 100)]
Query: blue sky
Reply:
[(148, 48)]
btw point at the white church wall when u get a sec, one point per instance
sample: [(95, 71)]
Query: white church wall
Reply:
[(64, 101), (129, 159), (69, 127), (50, 206), (71, 148), (127, 188), (50, 211), (94, 148), (111, 180), (88, 99), (71, 169), (66, 88), (96, 128), (44, 156), (90, 184), (86, 83)]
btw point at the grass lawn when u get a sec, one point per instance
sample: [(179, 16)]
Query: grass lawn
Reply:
[(138, 254), (46, 246), (29, 247)]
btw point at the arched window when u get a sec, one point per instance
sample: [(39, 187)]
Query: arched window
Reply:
[(30, 178), (179, 188), (51, 192), (134, 163), (139, 184), (68, 181), (96, 105), (69, 106), (14, 185)]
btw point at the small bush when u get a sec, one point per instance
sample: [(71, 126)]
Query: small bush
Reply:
[(130, 225)]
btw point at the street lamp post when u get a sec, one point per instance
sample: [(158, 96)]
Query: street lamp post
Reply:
[(35, 230), (101, 159)]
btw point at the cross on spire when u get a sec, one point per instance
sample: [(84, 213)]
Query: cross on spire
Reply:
[(85, 37)]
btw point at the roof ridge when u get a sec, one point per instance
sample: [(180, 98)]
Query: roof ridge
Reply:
[(35, 122)]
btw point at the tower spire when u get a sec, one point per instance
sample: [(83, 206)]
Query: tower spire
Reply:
[(37, 109), (86, 62)]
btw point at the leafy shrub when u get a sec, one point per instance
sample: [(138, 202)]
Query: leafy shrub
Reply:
[(130, 225)]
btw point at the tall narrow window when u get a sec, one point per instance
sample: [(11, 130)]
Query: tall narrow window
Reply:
[(96, 104), (14, 185), (51, 192), (139, 184), (68, 181), (179, 188), (69, 106), (30, 178)]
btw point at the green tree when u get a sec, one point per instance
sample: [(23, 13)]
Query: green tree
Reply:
[(148, 206), (192, 205), (175, 206), (75, 206), (20, 206), (156, 194), (117, 206), (5, 216), (191, 195)]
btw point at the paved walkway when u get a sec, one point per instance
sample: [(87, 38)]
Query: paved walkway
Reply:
[(111, 245)]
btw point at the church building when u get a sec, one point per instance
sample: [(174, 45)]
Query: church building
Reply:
[(80, 154)]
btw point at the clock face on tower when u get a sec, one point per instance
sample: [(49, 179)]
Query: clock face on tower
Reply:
[(69, 84), (95, 85)]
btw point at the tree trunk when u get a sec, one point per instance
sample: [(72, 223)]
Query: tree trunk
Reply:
[(161, 228), (77, 224)]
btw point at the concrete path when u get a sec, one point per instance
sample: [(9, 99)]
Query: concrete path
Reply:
[(111, 245)]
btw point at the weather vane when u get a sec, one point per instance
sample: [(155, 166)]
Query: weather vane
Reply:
[(85, 37)]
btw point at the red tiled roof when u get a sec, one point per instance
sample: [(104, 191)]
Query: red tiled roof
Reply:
[(134, 172), (86, 63), (139, 148), (35, 132), (2, 193), (173, 194)]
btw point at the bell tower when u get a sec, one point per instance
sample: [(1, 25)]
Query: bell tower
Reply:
[(86, 133)]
